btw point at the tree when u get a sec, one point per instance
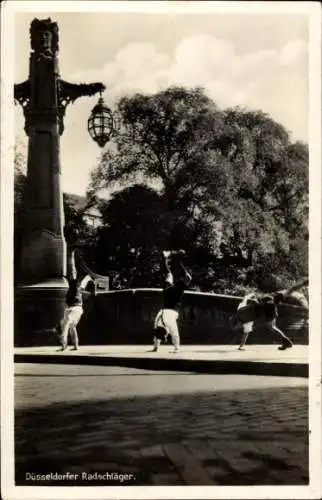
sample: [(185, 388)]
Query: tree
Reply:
[(19, 185), (269, 209), (229, 178), (134, 231), (159, 135), (19, 175), (75, 211)]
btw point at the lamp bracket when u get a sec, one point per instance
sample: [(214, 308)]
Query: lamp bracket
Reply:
[(22, 93), (69, 92)]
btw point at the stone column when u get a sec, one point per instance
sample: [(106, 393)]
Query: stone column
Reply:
[(43, 252), (40, 294)]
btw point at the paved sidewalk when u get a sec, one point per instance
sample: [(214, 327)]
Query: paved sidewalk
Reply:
[(159, 428), (256, 359)]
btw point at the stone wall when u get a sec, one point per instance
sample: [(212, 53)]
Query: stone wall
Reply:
[(126, 317)]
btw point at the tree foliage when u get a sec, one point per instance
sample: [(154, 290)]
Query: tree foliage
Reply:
[(19, 185), (133, 231), (229, 186)]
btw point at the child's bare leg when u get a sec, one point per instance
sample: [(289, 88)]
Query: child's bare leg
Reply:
[(286, 342), (247, 329), (156, 343), (71, 266), (74, 335), (64, 333), (175, 337)]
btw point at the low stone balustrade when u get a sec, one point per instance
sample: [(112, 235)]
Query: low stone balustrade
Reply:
[(126, 317)]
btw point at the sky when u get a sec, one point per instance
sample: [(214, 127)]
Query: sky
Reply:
[(257, 61)]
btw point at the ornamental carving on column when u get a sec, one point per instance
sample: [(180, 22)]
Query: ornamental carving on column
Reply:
[(44, 50), (44, 38)]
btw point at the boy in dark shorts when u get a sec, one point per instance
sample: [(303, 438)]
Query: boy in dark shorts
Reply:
[(176, 281), (266, 306), (270, 303)]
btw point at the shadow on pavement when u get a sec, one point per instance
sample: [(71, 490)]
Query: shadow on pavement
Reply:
[(244, 437), (173, 363)]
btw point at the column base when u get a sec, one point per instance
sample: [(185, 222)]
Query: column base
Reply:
[(37, 310)]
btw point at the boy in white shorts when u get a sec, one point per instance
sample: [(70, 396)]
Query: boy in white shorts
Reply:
[(166, 321), (74, 306), (246, 304)]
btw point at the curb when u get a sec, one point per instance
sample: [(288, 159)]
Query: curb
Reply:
[(189, 365)]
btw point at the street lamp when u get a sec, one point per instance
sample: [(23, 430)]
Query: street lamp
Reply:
[(100, 124)]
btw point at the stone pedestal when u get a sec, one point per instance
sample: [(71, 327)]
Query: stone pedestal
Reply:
[(38, 308)]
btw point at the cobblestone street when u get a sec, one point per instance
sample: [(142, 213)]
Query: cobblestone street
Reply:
[(164, 428)]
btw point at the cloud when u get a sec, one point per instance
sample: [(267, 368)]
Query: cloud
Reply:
[(294, 53), (260, 78), (275, 81), (204, 54)]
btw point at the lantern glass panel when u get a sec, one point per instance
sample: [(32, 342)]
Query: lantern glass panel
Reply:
[(100, 124)]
